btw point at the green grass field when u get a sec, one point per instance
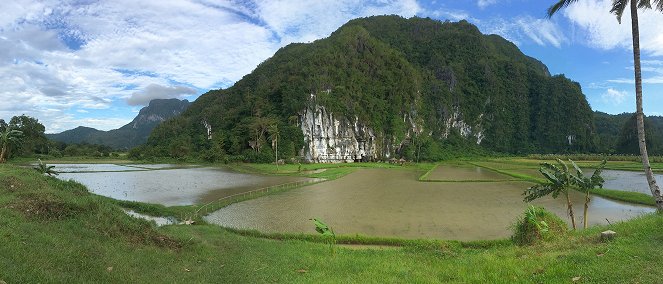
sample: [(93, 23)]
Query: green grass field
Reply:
[(55, 231)]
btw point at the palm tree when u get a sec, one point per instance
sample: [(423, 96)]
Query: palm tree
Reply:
[(559, 181), (586, 184), (7, 137), (618, 7)]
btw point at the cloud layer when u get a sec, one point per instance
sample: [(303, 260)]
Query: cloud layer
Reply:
[(155, 91), (60, 57)]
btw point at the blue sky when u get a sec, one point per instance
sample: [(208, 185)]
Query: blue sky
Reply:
[(96, 63)]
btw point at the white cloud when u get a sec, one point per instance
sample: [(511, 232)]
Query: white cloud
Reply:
[(154, 91), (614, 97), (485, 3), (601, 29), (652, 73), (543, 32), (60, 56)]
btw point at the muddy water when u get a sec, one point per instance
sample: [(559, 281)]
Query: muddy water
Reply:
[(614, 179), (391, 203), (628, 181), (452, 173), (169, 186)]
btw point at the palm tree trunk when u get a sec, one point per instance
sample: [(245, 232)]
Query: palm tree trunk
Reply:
[(655, 190), (570, 208), (584, 216), (2, 153)]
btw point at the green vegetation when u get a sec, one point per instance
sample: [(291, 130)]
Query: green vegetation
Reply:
[(617, 134), (32, 143), (45, 169), (130, 135), (586, 184), (8, 138), (71, 236), (627, 196), (326, 232), (559, 181), (387, 71), (537, 225)]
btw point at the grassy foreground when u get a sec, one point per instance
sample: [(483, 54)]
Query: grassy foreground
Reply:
[(55, 231)]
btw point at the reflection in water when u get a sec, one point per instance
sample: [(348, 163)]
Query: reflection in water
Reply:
[(391, 203), (172, 186)]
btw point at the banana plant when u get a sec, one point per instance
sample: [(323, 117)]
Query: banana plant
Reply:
[(326, 232), (586, 184), (45, 169), (7, 138), (559, 182)]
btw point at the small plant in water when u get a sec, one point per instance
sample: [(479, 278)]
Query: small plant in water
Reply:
[(326, 232), (45, 169)]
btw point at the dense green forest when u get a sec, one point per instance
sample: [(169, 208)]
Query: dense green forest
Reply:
[(617, 134), (32, 142), (381, 70)]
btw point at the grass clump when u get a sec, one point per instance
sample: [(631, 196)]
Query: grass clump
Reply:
[(537, 225), (48, 206)]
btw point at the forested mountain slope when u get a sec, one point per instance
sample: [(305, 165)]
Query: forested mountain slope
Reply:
[(384, 87)]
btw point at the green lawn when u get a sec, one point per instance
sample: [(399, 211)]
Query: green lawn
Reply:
[(54, 231)]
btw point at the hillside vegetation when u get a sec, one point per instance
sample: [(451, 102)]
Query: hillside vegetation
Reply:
[(390, 73)]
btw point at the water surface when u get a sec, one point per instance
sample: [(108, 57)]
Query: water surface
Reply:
[(392, 203), (183, 186)]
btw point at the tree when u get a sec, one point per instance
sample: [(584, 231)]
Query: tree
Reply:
[(618, 7), (559, 181), (586, 184), (34, 139), (7, 137), (274, 135), (627, 142)]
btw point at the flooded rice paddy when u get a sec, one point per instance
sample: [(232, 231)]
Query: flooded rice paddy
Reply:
[(165, 184), (372, 202), (392, 203)]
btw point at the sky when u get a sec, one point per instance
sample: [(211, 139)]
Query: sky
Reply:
[(97, 63)]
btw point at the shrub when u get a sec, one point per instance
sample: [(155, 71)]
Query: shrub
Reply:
[(536, 225)]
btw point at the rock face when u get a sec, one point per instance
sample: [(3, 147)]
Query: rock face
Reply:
[(332, 140), (455, 121), (156, 112)]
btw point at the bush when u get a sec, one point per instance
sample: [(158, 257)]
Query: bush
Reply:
[(537, 225)]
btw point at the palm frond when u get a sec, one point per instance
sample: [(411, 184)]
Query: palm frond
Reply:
[(644, 4), (618, 7), (597, 179), (563, 165), (558, 6), (537, 191), (658, 5), (552, 177), (579, 173)]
